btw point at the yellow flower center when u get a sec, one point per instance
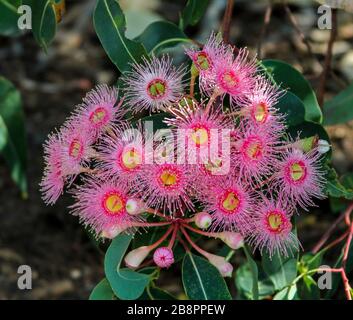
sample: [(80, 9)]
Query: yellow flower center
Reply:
[(156, 88), (131, 159), (199, 136), (230, 79), (260, 112), (275, 221), (98, 115), (113, 203), (168, 178), (203, 61), (75, 149), (253, 149), (230, 201), (297, 171)]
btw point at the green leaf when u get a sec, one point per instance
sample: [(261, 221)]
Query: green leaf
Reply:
[(192, 13), (339, 109), (155, 293), (347, 181), (202, 281), (288, 293), (244, 283), (43, 21), (102, 291), (12, 133), (126, 284), (334, 187), (292, 107), (109, 23), (308, 289), (254, 274), (282, 271), (9, 17), (160, 35), (289, 78)]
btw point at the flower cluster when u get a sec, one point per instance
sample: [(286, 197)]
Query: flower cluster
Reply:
[(222, 162)]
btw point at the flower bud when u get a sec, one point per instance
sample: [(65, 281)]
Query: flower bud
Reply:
[(163, 257), (203, 220), (135, 257), (223, 266), (307, 144), (233, 240), (135, 207), (323, 146)]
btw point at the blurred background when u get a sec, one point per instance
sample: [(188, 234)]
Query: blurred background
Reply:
[(65, 262)]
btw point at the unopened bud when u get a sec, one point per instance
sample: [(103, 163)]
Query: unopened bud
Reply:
[(135, 207), (233, 240), (307, 144), (323, 146), (163, 257), (203, 220), (223, 266), (135, 257)]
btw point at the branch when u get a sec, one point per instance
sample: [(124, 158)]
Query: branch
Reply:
[(227, 18), (267, 19)]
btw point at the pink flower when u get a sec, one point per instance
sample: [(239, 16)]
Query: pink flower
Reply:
[(204, 60), (163, 257), (255, 152), (236, 78), (76, 147), (165, 186), (53, 181), (223, 266), (99, 110), (230, 205), (153, 85), (271, 228), (260, 109), (101, 205), (121, 153), (299, 176), (200, 133)]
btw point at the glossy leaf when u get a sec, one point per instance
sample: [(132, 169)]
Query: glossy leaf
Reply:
[(281, 270), (192, 13), (155, 293), (9, 17), (102, 291), (290, 78), (339, 109), (160, 35), (12, 133), (202, 281), (292, 107), (109, 23), (288, 293), (43, 21), (334, 187), (126, 284), (254, 274)]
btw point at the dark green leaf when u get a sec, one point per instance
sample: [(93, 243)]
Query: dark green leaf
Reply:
[(192, 13), (308, 289), (339, 109), (109, 23), (288, 293), (102, 291), (334, 187), (155, 293), (160, 35), (290, 105), (9, 17), (254, 274), (43, 21), (12, 133), (202, 281), (289, 78), (126, 284), (244, 283), (281, 270)]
